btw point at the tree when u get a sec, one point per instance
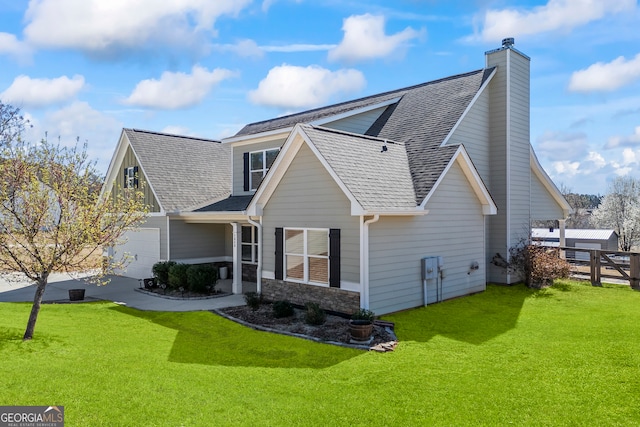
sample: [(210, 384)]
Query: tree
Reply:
[(53, 219), (620, 210), (581, 205), (12, 124)]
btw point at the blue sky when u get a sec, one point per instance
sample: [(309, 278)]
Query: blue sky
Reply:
[(88, 68)]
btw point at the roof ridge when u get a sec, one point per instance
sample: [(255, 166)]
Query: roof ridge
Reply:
[(375, 95), (172, 135)]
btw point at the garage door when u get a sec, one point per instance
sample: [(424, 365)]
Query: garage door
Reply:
[(584, 256), (143, 249)]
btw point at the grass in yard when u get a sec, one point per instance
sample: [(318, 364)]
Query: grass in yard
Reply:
[(568, 355)]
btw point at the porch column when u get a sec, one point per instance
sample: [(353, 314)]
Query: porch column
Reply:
[(236, 285), (563, 242)]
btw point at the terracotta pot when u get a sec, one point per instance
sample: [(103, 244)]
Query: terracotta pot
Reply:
[(360, 329)]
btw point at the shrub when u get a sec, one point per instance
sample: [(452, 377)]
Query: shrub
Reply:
[(363, 314), (314, 314), (199, 276), (178, 276), (282, 309), (253, 300), (538, 265), (161, 271)]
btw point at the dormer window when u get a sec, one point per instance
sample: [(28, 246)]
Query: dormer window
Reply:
[(259, 163), (131, 177)]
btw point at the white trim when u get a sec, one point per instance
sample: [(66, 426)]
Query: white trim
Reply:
[(548, 184), (350, 286), (255, 138), (471, 104), (364, 259), (277, 171), (508, 155), (268, 135), (305, 256), (351, 113), (168, 238), (473, 177), (204, 260)]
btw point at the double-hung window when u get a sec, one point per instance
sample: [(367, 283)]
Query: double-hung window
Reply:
[(131, 177), (249, 244), (259, 164), (307, 255)]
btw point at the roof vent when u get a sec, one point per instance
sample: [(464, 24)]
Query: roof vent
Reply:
[(508, 42)]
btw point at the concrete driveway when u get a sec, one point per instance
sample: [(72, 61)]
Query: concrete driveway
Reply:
[(121, 290)]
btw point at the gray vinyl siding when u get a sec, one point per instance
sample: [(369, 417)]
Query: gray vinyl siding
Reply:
[(159, 222), (308, 197), (238, 162), (358, 123), (130, 160), (473, 133), (189, 240), (453, 229), (510, 171), (543, 206)]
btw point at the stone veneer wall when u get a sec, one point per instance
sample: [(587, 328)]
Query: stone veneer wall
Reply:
[(333, 299)]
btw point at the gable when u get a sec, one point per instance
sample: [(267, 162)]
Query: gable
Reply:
[(546, 200)]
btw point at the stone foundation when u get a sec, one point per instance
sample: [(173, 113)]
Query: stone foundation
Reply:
[(331, 299)]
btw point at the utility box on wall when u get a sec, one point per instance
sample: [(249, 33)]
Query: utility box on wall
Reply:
[(429, 268)]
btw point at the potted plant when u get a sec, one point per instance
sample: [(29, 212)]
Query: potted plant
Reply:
[(361, 324)]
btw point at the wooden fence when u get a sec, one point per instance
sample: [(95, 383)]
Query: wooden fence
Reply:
[(598, 264)]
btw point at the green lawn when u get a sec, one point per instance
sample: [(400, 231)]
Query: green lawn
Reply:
[(569, 355)]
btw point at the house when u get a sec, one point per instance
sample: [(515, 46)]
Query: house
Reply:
[(577, 238), (386, 202)]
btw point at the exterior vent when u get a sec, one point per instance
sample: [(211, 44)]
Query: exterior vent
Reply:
[(508, 42)]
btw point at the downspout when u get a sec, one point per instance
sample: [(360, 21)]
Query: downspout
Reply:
[(364, 259), (259, 267)]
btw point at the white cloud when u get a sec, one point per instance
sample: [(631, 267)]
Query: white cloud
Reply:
[(364, 38), (292, 87), (596, 159), (11, 46), (98, 25), (28, 92), (79, 121), (177, 90), (561, 145), (177, 130), (632, 140), (606, 77), (566, 168), (556, 15), (250, 49)]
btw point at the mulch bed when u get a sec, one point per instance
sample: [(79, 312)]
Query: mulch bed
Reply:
[(334, 330)]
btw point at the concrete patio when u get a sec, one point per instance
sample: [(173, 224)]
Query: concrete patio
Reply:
[(121, 290)]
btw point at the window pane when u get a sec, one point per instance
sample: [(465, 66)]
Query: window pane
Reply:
[(256, 179), (295, 267), (246, 234), (256, 160), (246, 253), (271, 156), (318, 270), (317, 242), (294, 241)]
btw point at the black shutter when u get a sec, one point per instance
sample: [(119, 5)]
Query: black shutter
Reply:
[(135, 177), (246, 172), (125, 178), (279, 253), (334, 257)]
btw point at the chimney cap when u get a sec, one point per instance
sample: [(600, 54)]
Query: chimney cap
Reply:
[(508, 42)]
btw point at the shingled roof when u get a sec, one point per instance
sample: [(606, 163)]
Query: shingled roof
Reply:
[(420, 121), (377, 177), (182, 171)]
